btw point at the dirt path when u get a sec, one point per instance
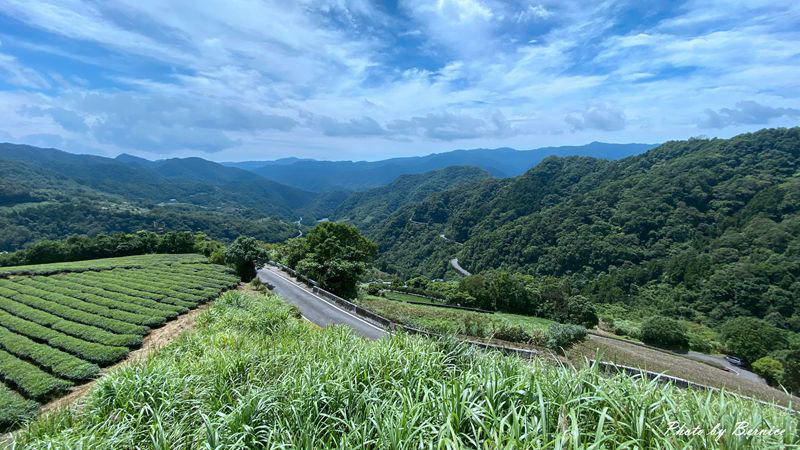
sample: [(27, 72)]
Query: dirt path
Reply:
[(157, 339)]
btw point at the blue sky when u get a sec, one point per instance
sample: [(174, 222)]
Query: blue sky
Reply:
[(352, 79)]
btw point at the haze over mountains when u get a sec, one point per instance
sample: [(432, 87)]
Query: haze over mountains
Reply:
[(321, 176)]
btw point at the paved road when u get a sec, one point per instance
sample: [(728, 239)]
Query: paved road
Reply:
[(720, 360), (459, 269), (314, 308)]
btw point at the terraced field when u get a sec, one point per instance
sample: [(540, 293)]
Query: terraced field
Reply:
[(60, 323)]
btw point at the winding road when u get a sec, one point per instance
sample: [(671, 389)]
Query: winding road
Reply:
[(313, 307), (459, 269)]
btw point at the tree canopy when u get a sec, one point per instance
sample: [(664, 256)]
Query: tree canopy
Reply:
[(334, 254)]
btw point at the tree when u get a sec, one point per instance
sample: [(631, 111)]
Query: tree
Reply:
[(750, 338), (580, 311), (770, 369), (664, 332), (335, 255), (244, 254), (790, 361)]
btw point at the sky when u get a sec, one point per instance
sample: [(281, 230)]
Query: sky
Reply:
[(353, 79)]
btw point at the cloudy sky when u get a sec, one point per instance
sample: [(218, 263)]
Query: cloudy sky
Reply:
[(354, 79)]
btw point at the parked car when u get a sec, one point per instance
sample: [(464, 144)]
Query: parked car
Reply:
[(735, 360)]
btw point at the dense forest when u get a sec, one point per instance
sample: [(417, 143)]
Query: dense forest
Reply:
[(705, 229), (375, 205), (49, 194)]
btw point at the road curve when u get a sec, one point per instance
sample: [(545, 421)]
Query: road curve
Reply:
[(315, 308), (721, 361), (459, 269)]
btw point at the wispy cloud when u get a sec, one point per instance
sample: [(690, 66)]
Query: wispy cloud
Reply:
[(368, 79), (746, 113)]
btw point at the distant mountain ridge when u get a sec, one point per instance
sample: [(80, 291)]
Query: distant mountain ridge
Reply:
[(326, 176), (51, 194)]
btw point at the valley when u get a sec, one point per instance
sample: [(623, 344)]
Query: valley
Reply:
[(657, 262)]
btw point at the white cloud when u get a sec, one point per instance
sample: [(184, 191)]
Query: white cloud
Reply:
[(533, 12), (311, 77), (17, 74), (597, 117), (745, 113)]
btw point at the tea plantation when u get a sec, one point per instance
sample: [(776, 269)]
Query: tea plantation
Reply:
[(59, 323)]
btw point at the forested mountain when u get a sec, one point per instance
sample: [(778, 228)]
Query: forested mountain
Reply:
[(375, 205), (47, 193), (325, 176), (709, 228), (192, 180), (50, 194)]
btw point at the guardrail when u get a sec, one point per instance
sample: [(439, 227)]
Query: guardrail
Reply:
[(352, 307), (445, 305), (438, 299), (390, 326)]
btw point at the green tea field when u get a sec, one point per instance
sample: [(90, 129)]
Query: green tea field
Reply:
[(60, 323)]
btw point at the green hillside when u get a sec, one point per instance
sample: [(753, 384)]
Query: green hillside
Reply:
[(59, 323), (373, 206), (705, 228), (49, 194)]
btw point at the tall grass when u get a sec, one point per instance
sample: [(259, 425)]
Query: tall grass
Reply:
[(254, 376)]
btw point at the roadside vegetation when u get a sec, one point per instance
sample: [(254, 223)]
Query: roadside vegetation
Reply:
[(520, 331), (336, 255), (638, 348)]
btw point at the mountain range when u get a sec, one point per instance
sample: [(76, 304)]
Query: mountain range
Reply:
[(323, 176), (703, 229), (48, 193)]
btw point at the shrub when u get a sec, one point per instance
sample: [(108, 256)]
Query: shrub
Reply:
[(244, 254), (461, 299), (476, 325), (606, 323), (699, 343), (627, 328), (258, 285), (580, 312), (702, 338), (512, 333), (790, 360), (217, 257), (664, 332), (770, 369), (373, 289), (750, 338), (560, 336)]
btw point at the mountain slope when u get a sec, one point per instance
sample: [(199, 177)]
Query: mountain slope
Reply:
[(710, 225), (374, 205), (193, 180), (323, 176), (50, 194)]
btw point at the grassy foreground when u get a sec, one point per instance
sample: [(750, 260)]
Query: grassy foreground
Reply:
[(252, 375)]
